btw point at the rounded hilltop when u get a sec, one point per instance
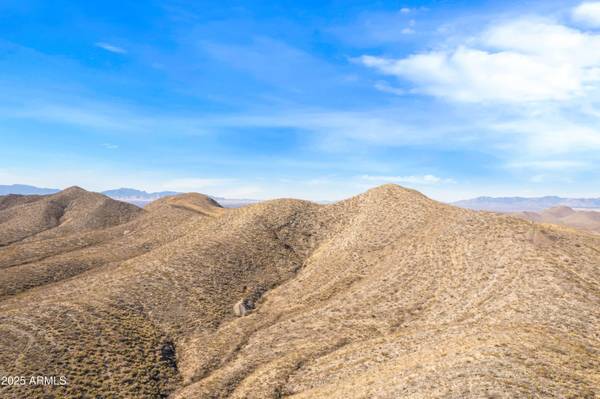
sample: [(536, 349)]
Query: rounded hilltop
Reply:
[(392, 190), (74, 189), (194, 202), (73, 210)]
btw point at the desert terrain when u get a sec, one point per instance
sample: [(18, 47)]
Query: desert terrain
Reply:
[(388, 294), (580, 219), (527, 204)]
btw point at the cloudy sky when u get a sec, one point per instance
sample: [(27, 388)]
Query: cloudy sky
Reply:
[(309, 99)]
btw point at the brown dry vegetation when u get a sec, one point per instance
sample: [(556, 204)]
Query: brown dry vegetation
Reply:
[(92, 230), (385, 295)]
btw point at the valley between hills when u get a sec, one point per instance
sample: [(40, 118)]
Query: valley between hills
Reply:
[(388, 294)]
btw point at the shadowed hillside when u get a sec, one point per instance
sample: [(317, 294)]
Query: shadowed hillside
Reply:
[(388, 294)]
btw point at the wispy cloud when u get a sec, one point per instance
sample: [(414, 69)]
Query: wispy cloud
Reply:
[(418, 180), (552, 165), (387, 88), (97, 115), (111, 48), (550, 133), (377, 28)]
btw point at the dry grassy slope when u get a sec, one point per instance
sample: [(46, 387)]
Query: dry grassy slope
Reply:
[(411, 298), (73, 210), (37, 261), (563, 215), (112, 324), (8, 201), (193, 202), (388, 294)]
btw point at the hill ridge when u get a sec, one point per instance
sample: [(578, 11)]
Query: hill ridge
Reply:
[(385, 294)]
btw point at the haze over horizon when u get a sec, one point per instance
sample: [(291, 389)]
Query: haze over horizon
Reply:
[(303, 99)]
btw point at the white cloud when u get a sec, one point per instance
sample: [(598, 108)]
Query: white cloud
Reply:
[(588, 14), (419, 180), (516, 62), (554, 164), (111, 48), (405, 10)]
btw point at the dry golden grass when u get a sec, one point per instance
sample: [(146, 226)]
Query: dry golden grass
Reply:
[(385, 295)]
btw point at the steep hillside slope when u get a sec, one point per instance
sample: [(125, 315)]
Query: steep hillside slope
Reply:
[(563, 215), (385, 295)]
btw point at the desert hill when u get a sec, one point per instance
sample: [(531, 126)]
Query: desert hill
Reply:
[(93, 231), (192, 202), (388, 294), (563, 215), (526, 204), (71, 210)]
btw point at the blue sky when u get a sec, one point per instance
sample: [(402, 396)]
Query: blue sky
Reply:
[(308, 99)]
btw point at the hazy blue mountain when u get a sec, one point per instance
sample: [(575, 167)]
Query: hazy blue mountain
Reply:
[(24, 189), (518, 204), (138, 194)]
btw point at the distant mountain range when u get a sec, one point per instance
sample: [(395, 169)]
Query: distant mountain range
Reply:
[(24, 189), (584, 220), (518, 204), (131, 195), (496, 204)]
